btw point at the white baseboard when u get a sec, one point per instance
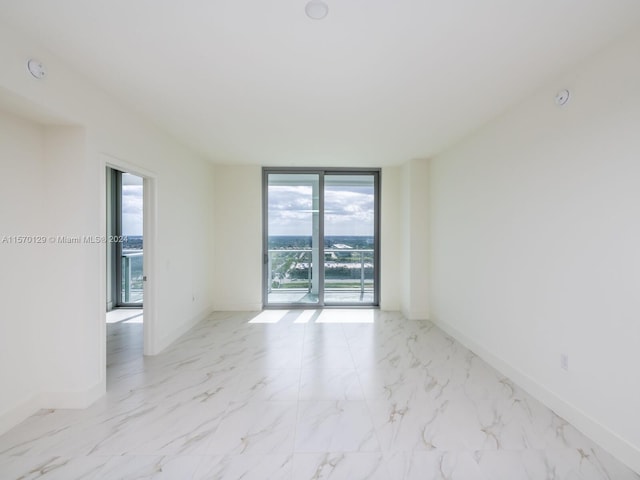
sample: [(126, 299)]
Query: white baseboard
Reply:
[(17, 415), (75, 399), (390, 306), (415, 314), (81, 398), (176, 333), (50, 400), (617, 446), (238, 307)]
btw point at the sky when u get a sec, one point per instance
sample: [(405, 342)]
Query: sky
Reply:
[(131, 205), (348, 210)]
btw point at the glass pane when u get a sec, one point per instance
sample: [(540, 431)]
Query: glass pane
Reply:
[(132, 285), (349, 239), (132, 251), (293, 238)]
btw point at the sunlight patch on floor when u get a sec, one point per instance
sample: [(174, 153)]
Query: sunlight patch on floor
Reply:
[(269, 316), (125, 315), (354, 315), (305, 316), (346, 315)]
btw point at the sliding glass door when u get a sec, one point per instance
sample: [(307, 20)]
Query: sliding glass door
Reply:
[(349, 239), (293, 238), (320, 237)]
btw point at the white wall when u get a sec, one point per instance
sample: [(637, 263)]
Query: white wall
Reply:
[(414, 215), (391, 253), (237, 210), (67, 284), (21, 200), (534, 246), (61, 168)]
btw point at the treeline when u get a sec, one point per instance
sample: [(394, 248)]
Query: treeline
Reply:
[(335, 273), (277, 242), (132, 242)]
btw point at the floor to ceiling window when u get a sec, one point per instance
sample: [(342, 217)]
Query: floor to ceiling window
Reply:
[(124, 228), (321, 237)]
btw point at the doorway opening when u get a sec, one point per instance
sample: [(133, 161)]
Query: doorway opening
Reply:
[(125, 273), (125, 249), (321, 237)]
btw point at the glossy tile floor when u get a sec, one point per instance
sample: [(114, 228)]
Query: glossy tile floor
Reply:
[(125, 315), (331, 296), (356, 394)]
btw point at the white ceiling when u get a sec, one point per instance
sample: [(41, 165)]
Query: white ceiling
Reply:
[(375, 83)]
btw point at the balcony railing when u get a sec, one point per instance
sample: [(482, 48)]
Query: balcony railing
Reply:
[(132, 274), (344, 270)]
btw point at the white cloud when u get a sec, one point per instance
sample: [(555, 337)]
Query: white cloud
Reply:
[(132, 210), (348, 210)]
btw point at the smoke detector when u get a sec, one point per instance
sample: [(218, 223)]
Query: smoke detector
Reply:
[(562, 97), (36, 68), (316, 9)]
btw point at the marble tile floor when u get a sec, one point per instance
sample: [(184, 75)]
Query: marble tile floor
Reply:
[(333, 394), (126, 315), (333, 297)]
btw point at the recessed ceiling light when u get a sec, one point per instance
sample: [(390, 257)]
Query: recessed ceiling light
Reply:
[(316, 9)]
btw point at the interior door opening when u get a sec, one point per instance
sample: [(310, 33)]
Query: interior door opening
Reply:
[(321, 237), (125, 252)]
